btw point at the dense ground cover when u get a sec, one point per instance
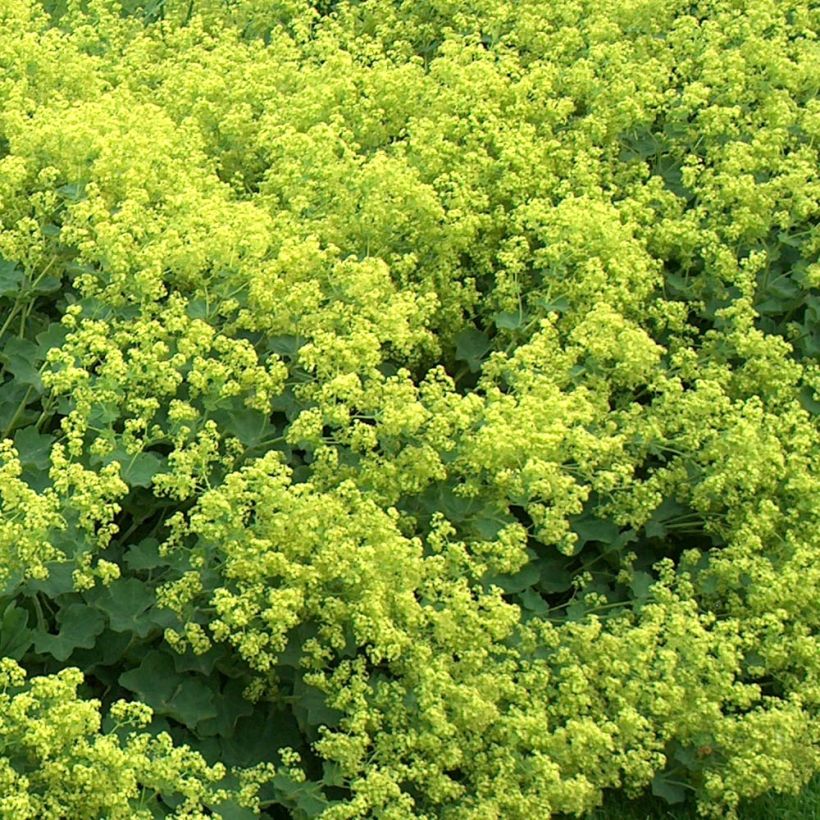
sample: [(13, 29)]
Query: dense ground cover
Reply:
[(408, 409)]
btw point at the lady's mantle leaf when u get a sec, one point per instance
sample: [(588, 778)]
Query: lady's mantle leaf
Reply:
[(15, 636), (471, 347), (79, 627), (125, 602), (670, 791), (186, 699), (33, 447), (137, 470), (20, 357), (144, 555), (11, 278)]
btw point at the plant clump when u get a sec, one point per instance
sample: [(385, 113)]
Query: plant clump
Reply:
[(407, 409)]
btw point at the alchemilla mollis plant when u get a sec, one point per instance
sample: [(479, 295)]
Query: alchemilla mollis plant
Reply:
[(407, 409)]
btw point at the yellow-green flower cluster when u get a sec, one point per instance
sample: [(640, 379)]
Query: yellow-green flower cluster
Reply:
[(55, 763), (402, 320), (27, 522)]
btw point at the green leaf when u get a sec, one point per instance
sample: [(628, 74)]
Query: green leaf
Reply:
[(125, 602), (594, 529), (509, 321), (198, 308), (109, 648), (332, 774), (154, 680), (441, 497), (203, 664), (142, 468), (257, 737), (137, 470), (48, 284), (560, 304), (686, 755), (15, 395), (526, 577), (102, 414), (144, 555), (287, 403), (531, 601), (250, 426), (306, 796), (53, 336), (754, 660), (310, 709), (667, 511), (186, 699), (11, 278), (79, 627), (34, 447), (488, 522), (193, 702), (15, 636), (671, 171), (812, 312), (577, 610), (72, 191), (20, 357), (285, 345), (292, 653), (232, 707), (808, 400), (555, 577), (58, 582), (624, 538), (471, 347), (231, 810), (640, 584), (668, 790), (640, 146)]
